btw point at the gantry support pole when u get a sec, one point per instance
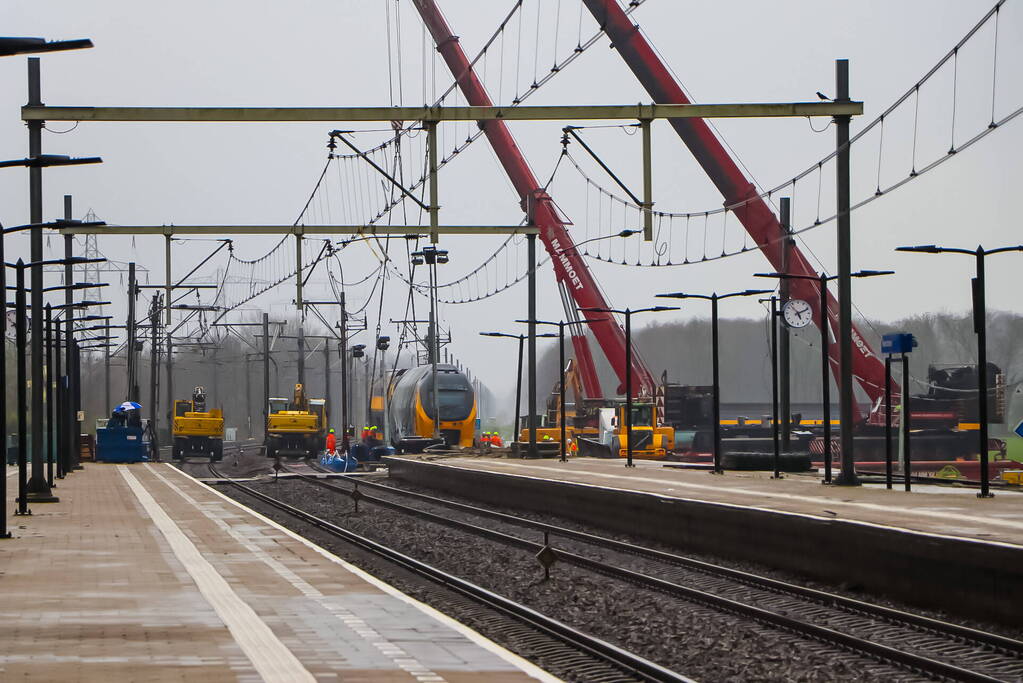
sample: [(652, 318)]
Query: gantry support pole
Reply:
[(846, 395), (344, 367), (648, 190), (531, 346), (168, 292), (70, 418), (38, 489), (431, 138), (266, 372), (784, 354), (298, 271)]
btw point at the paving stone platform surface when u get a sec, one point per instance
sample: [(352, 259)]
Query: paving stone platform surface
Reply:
[(141, 573)]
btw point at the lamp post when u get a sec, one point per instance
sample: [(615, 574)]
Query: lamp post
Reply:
[(38, 487), (715, 367), (628, 313), (20, 339), (518, 374), (774, 384), (431, 256), (822, 283), (980, 328)]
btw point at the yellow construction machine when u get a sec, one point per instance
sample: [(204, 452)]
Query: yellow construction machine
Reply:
[(581, 414), (297, 427), (196, 430), (648, 441)]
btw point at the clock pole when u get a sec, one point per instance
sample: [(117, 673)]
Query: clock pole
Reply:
[(784, 393)]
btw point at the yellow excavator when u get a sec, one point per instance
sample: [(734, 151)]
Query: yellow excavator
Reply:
[(196, 430), (581, 414), (297, 427)]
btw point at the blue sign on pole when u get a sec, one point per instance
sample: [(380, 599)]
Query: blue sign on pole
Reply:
[(1019, 429), (899, 342)]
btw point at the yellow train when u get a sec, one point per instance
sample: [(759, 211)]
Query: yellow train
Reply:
[(410, 411)]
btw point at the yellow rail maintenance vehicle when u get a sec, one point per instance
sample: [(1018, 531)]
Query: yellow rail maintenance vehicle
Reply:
[(297, 427), (196, 430), (648, 440)]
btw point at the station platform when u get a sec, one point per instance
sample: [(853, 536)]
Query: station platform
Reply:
[(938, 547), (943, 510), (143, 573)]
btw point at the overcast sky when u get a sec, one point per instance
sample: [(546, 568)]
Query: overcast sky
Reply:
[(317, 53)]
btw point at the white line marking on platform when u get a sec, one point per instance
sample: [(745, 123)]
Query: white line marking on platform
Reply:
[(271, 658), (955, 516), (524, 665), (356, 623)]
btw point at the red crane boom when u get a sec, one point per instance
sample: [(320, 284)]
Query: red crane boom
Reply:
[(569, 266), (758, 219)]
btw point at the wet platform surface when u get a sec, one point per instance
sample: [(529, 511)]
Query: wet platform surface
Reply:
[(142, 573), (947, 511)]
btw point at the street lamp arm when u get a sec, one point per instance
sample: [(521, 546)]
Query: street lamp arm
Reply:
[(872, 273), (745, 292), (1000, 250), (541, 322), (57, 225), (791, 276), (624, 233), (933, 249)]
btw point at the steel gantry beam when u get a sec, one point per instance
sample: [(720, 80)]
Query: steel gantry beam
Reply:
[(409, 230), (375, 114)]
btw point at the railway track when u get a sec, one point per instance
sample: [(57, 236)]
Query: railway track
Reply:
[(909, 641), (586, 657)]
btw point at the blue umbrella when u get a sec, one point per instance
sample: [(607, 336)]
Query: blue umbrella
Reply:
[(127, 405)]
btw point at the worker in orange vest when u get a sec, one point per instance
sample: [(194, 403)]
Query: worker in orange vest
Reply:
[(331, 442), (485, 440), (573, 447), (495, 440)]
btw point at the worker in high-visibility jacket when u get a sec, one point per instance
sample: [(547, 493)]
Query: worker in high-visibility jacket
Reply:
[(485, 440), (331, 442), (495, 440)]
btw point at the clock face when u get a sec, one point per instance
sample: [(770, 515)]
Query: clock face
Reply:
[(797, 313)]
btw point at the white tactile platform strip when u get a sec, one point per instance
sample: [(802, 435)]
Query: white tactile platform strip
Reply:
[(350, 620)]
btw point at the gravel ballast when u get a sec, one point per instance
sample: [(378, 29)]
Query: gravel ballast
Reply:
[(700, 642)]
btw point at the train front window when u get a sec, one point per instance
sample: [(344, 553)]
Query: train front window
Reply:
[(454, 394)]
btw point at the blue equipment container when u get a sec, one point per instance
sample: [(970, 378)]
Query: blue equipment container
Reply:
[(359, 451), (339, 463), (122, 444)]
